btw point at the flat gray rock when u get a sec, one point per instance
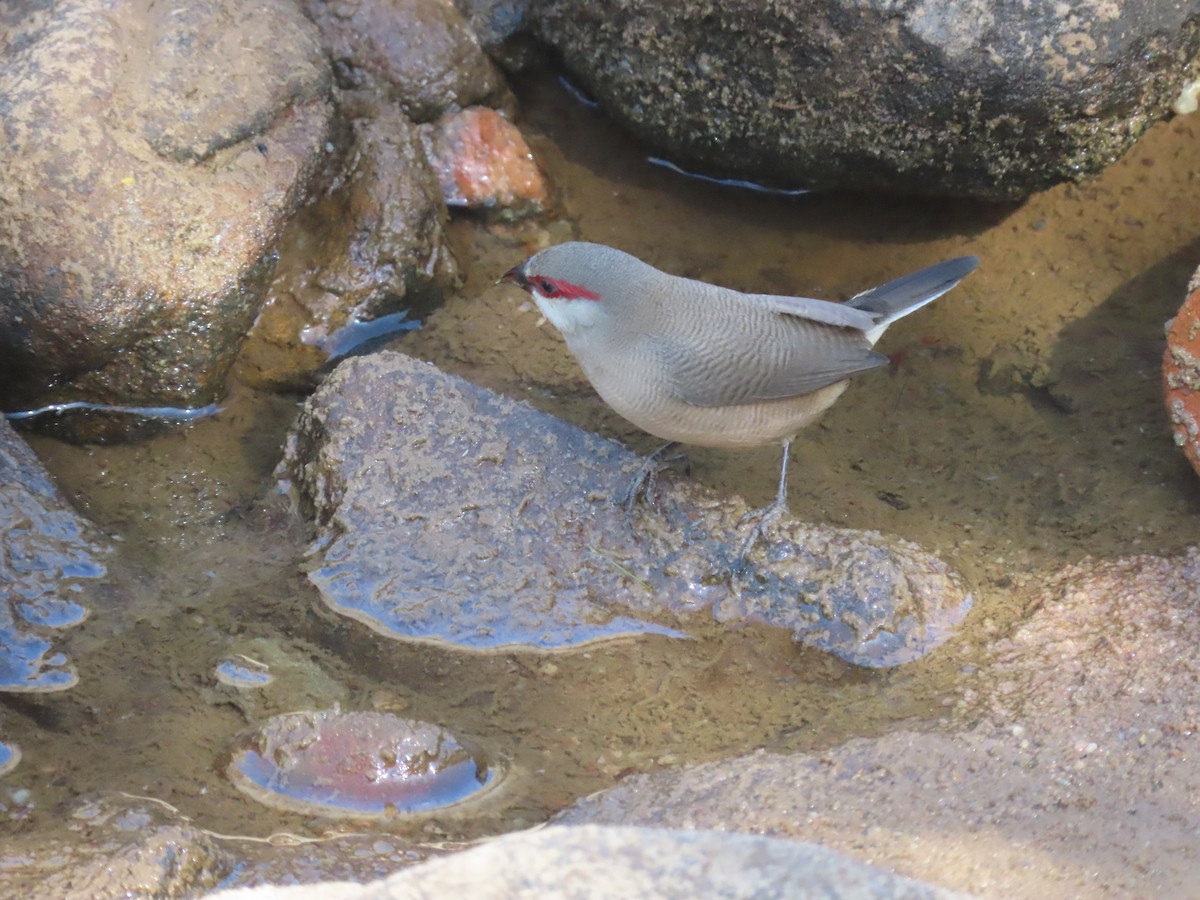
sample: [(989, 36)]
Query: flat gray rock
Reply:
[(452, 514)]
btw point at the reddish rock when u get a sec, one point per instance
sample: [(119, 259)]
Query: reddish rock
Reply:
[(1181, 374), (483, 162)]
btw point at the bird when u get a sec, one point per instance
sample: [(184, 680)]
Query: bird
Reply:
[(696, 363)]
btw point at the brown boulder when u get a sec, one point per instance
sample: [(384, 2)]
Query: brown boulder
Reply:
[(153, 155)]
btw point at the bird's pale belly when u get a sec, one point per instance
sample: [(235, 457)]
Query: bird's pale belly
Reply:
[(748, 425)]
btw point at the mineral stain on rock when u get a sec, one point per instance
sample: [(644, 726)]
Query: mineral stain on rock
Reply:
[(453, 514)]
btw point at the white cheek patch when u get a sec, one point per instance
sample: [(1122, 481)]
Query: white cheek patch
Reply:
[(568, 316)]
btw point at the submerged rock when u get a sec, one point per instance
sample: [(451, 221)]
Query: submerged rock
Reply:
[(49, 554), (10, 757), (994, 100), (364, 765), (242, 673), (142, 194), (449, 513)]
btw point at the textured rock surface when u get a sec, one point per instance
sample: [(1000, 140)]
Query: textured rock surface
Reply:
[(985, 99), (370, 255), (453, 514), (47, 554), (1181, 373), (1083, 774), (417, 53), (373, 245), (142, 194), (483, 163)]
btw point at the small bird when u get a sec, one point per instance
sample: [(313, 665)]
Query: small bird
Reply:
[(695, 363)]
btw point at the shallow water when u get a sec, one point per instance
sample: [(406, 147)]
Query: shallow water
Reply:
[(1020, 427)]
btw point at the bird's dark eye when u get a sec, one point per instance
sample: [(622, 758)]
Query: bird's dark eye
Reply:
[(548, 287)]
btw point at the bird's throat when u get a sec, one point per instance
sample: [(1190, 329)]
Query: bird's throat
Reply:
[(568, 316)]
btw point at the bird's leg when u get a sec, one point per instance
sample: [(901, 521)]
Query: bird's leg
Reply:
[(767, 516), (643, 480)]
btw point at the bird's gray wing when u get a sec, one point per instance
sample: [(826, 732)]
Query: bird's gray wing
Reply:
[(765, 352)]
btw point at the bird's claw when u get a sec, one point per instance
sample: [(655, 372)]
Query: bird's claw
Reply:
[(644, 479), (764, 518)]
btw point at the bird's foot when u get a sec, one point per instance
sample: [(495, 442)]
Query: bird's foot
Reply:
[(763, 519), (643, 481)]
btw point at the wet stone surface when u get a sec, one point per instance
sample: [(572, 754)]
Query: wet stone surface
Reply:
[(357, 764), (243, 673), (452, 514), (10, 756), (48, 554)]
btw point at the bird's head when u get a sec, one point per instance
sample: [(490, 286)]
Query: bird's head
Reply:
[(577, 285)]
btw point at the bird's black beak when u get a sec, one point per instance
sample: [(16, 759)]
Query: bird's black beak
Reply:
[(516, 275)]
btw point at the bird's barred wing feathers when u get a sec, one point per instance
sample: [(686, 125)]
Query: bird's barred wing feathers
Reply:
[(716, 372)]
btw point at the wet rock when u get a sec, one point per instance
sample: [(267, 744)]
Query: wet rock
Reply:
[(988, 100), (1080, 777), (502, 28), (373, 246), (363, 765), (153, 155), (1181, 374), (262, 677), (631, 862), (49, 554), (418, 53), (10, 757), (243, 673), (448, 513), (483, 163)]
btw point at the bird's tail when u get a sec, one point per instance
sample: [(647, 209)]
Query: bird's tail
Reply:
[(898, 298)]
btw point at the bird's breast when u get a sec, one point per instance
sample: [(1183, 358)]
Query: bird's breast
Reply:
[(628, 380)]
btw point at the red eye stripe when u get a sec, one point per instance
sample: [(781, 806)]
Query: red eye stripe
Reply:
[(557, 287)]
